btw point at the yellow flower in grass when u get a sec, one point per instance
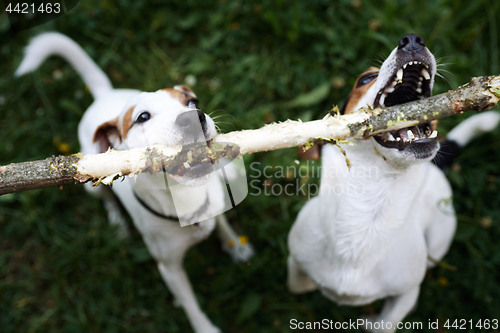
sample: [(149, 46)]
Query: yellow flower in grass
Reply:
[(443, 281), (243, 240), (64, 148)]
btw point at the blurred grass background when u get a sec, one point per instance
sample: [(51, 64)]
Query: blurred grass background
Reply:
[(62, 269)]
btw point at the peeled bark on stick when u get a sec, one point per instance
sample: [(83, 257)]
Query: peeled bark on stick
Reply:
[(480, 94)]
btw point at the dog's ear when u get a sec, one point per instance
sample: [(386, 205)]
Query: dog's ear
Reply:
[(107, 135)]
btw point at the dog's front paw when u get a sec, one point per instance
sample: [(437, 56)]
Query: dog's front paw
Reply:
[(371, 324), (239, 249)]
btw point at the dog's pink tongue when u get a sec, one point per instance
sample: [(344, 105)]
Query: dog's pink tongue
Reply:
[(403, 134)]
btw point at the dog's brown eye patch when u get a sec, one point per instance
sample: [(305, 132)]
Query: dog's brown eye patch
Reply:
[(364, 82), (365, 79), (127, 121), (183, 94)]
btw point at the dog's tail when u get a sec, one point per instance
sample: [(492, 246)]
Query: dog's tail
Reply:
[(461, 135), (53, 43)]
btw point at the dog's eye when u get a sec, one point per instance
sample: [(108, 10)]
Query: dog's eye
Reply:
[(193, 103), (143, 117), (367, 78)]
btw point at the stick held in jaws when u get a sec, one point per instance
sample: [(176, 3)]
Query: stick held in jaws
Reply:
[(482, 93)]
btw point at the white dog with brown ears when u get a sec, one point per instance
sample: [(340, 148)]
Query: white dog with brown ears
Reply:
[(123, 119), (370, 232)]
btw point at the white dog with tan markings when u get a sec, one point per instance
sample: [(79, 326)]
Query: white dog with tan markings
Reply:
[(124, 119), (371, 231)]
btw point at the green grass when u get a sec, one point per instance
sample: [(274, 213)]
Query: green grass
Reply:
[(62, 269)]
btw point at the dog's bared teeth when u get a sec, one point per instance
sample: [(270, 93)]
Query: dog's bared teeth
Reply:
[(399, 75), (382, 99), (425, 74), (433, 135), (387, 136), (404, 66), (419, 90), (390, 88), (410, 135), (416, 132)]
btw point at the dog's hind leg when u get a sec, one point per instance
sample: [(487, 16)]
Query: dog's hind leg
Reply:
[(394, 310), (439, 236), (441, 225), (237, 246), (298, 281), (177, 282)]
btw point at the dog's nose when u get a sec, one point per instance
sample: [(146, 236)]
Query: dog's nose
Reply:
[(192, 123), (411, 43), (191, 118)]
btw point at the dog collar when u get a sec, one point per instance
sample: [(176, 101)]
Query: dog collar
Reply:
[(152, 211), (171, 217)]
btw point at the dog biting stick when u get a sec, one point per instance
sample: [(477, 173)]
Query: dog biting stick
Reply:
[(481, 93)]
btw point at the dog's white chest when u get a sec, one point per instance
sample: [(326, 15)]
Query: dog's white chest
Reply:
[(359, 247), (390, 267)]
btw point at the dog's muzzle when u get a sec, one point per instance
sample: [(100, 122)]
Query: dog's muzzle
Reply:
[(195, 134), (193, 125), (411, 79)]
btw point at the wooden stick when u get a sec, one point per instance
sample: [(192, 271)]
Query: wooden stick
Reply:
[(480, 94)]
